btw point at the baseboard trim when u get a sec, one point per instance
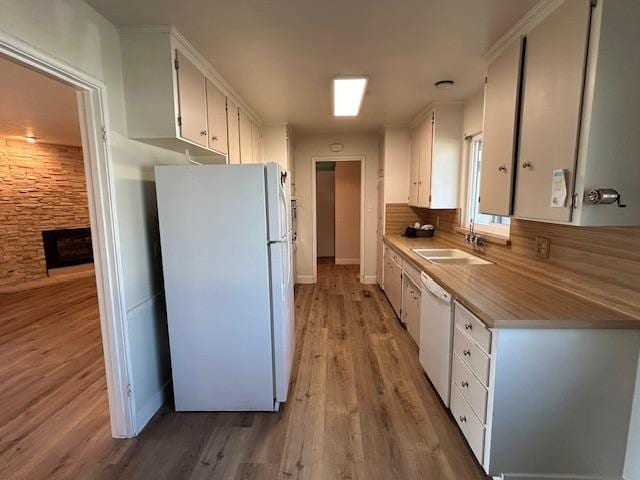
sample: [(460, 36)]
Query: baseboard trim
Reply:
[(347, 261), (151, 407), (305, 279), (370, 280), (550, 476)]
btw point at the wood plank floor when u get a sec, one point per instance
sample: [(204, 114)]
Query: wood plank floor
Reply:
[(359, 408)]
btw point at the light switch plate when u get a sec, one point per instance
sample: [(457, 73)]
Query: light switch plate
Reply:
[(543, 246)]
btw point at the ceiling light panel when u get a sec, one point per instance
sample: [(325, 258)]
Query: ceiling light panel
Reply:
[(347, 96)]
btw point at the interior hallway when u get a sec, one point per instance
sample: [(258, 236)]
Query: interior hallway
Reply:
[(359, 407)]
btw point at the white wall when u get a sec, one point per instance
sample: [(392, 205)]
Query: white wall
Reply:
[(73, 32), (310, 145), (632, 460)]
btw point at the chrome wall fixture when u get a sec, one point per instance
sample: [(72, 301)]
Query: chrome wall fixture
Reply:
[(603, 196)]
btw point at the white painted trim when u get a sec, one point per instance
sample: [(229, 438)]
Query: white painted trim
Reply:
[(559, 476), (150, 408), (92, 106), (370, 280), (532, 18), (305, 279), (347, 261), (338, 158)]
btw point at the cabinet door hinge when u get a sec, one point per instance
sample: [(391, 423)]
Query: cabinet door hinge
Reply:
[(176, 63), (129, 389), (104, 134), (179, 120)]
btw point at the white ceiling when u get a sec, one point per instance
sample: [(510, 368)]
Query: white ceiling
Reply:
[(281, 55), (36, 105)]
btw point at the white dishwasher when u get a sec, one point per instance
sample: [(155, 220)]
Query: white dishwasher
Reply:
[(436, 335)]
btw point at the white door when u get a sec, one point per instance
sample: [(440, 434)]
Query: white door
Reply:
[(246, 139), (282, 298), (192, 101), (233, 131), (380, 231), (278, 202), (217, 119), (502, 95), (424, 160), (414, 167), (256, 143), (554, 69)]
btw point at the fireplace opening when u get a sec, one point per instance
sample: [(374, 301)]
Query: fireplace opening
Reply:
[(67, 247)]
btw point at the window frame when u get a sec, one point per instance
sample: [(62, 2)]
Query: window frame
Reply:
[(502, 230)]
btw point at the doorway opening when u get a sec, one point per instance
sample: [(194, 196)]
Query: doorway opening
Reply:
[(338, 219), (53, 369), (62, 311)]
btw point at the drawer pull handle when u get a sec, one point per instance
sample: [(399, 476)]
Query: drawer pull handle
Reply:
[(463, 419), (466, 353), (464, 384), (468, 326)]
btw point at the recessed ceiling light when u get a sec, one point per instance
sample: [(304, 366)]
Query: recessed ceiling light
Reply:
[(347, 95), (31, 139), (444, 84)]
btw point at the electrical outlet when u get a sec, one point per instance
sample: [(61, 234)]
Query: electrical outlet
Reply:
[(543, 245)]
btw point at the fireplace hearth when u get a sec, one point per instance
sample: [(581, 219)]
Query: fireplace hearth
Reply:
[(67, 247)]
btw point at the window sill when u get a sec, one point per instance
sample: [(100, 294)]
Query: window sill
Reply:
[(489, 237)]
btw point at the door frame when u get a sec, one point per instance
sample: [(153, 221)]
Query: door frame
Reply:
[(99, 176), (339, 158)]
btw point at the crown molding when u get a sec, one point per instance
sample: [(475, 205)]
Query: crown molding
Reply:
[(532, 18)]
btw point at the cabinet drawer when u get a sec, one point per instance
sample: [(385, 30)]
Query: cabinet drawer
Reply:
[(472, 356), (471, 427), (470, 387), (412, 272), (394, 255), (473, 326)]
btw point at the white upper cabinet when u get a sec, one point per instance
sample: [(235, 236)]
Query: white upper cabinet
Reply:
[(414, 165), (192, 101), (256, 146), (436, 150), (217, 119), (174, 98), (233, 129), (502, 93), (578, 119), (551, 110), (246, 138)]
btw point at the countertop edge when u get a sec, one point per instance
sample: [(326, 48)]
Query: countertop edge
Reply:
[(616, 323)]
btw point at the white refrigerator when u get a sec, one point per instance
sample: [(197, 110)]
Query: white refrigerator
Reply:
[(225, 233)]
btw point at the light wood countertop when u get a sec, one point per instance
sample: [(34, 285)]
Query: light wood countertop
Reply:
[(504, 298)]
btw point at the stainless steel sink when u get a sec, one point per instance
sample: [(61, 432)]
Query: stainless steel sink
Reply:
[(450, 256)]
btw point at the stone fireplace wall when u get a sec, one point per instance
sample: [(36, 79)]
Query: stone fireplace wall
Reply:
[(42, 187)]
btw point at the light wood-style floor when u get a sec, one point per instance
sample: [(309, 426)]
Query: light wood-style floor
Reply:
[(359, 407)]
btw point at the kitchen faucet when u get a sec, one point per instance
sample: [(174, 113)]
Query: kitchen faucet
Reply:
[(473, 239)]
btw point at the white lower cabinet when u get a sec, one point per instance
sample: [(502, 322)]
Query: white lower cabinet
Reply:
[(543, 403), (392, 281), (411, 307)]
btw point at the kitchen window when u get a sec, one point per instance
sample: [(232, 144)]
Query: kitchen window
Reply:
[(490, 224)]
